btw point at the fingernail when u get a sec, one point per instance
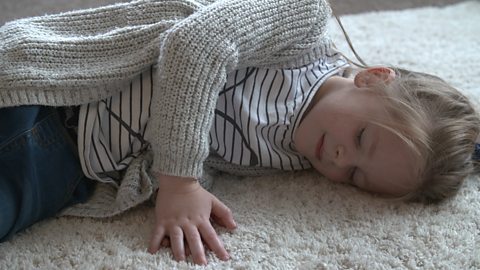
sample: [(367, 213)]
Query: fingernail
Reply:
[(179, 257)]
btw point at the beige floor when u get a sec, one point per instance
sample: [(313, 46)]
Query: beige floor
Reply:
[(12, 9), (358, 6)]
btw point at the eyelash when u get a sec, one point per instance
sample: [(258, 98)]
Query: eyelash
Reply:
[(360, 135), (358, 141)]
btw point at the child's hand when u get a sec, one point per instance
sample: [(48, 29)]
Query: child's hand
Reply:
[(183, 209)]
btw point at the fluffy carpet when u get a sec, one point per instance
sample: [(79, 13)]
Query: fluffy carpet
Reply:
[(301, 221)]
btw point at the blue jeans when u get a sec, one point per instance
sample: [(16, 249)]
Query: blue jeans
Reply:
[(40, 173)]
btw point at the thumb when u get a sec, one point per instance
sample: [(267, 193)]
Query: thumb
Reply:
[(222, 214)]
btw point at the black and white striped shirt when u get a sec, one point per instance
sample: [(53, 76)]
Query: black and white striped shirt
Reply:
[(256, 115), (107, 145), (259, 110)]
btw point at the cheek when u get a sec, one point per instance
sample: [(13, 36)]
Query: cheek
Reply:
[(331, 173), (339, 126)]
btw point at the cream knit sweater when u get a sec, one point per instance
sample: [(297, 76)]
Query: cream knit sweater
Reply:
[(82, 56)]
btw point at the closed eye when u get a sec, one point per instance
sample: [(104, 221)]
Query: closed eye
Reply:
[(360, 136), (353, 170)]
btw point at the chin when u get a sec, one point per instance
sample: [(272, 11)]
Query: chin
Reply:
[(317, 170)]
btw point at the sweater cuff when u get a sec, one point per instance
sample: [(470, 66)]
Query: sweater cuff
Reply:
[(171, 166)]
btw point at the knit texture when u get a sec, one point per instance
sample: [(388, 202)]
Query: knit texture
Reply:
[(83, 56), (80, 56)]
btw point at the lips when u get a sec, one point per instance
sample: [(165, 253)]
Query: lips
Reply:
[(319, 148)]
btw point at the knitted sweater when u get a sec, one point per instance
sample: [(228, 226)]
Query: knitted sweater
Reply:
[(82, 56)]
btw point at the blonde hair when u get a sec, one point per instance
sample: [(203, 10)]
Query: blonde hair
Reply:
[(438, 122)]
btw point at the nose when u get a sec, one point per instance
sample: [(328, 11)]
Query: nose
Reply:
[(340, 157)]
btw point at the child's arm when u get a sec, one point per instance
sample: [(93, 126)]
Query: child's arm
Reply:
[(198, 52), (84, 55), (195, 57)]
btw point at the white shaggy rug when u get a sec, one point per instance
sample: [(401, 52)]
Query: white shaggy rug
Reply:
[(301, 221)]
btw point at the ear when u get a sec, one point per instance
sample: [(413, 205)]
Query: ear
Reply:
[(374, 75)]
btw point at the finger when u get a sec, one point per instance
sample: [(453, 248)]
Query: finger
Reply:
[(212, 240), (195, 243), (157, 235), (223, 214), (205, 245), (176, 241)]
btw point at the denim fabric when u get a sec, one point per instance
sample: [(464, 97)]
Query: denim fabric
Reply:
[(40, 173)]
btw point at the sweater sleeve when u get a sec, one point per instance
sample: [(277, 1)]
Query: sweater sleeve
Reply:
[(83, 55), (198, 52)]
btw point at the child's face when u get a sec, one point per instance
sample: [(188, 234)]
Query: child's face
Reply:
[(338, 137)]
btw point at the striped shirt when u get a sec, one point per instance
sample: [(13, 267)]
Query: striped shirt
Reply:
[(259, 110), (256, 115), (107, 145)]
